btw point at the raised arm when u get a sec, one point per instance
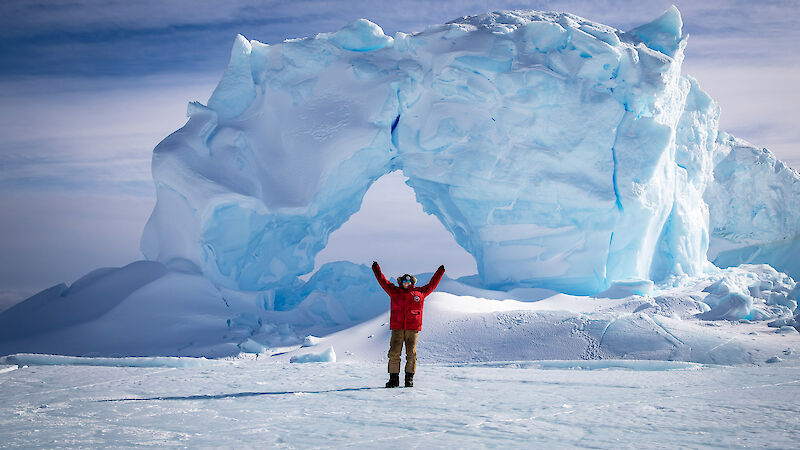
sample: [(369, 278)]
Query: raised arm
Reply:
[(385, 284), (435, 279)]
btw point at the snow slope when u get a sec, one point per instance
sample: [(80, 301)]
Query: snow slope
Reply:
[(459, 328), (698, 322)]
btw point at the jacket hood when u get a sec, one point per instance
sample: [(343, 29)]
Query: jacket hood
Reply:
[(406, 276)]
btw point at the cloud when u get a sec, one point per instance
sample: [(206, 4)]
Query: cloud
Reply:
[(117, 164), (120, 38), (88, 136), (758, 104), (10, 297), (52, 237)]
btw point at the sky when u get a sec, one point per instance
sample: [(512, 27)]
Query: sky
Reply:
[(88, 88)]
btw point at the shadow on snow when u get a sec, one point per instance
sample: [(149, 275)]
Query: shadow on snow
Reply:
[(236, 395)]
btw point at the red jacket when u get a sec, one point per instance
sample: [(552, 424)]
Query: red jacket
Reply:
[(407, 303)]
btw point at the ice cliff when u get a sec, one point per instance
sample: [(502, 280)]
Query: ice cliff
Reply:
[(559, 152)]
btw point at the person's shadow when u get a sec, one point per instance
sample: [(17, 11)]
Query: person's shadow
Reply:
[(234, 395)]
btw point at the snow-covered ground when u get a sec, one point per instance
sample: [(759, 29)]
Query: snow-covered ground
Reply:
[(263, 403), (556, 370), (639, 370), (703, 364), (731, 316)]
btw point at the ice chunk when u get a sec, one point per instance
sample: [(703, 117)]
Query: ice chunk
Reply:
[(782, 322), (662, 34), (754, 292), (328, 355), (310, 341), (236, 91), (731, 306)]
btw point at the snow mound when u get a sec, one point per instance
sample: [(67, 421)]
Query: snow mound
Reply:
[(359, 36), (310, 341), (752, 292), (142, 309)]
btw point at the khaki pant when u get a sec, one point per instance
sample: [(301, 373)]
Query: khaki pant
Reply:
[(400, 337)]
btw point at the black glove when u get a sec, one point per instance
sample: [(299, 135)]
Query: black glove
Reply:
[(441, 267), (374, 265)]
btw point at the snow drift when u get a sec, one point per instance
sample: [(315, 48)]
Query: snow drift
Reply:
[(564, 155)]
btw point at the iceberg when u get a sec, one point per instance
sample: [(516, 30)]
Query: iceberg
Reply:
[(754, 207), (573, 161), (559, 152)]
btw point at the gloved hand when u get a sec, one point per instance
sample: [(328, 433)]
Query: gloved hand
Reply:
[(441, 267), (374, 265)]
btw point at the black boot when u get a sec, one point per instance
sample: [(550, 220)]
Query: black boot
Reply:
[(409, 379), (394, 380)]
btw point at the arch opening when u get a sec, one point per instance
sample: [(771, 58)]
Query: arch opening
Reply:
[(391, 227)]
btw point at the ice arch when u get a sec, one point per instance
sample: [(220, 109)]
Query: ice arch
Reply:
[(545, 143)]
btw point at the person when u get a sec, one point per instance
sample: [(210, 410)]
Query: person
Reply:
[(405, 320)]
